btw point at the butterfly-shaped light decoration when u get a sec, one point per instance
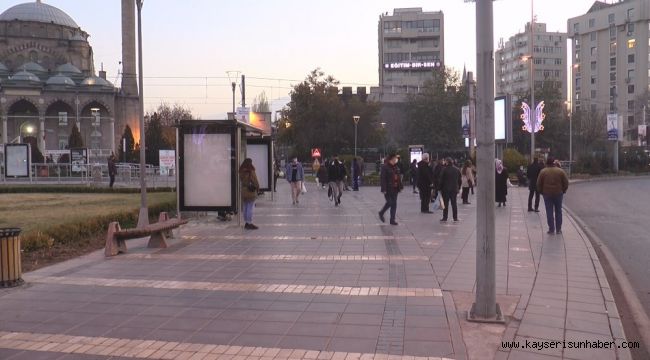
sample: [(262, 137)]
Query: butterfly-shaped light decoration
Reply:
[(540, 116)]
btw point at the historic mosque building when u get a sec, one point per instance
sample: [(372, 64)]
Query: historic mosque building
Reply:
[(48, 80)]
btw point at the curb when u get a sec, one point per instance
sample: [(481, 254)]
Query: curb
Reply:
[(639, 317), (609, 178)]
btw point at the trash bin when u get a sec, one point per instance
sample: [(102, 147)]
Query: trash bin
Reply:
[(10, 265)]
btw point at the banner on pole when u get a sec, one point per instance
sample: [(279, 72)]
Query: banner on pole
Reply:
[(465, 122), (643, 135), (612, 127)]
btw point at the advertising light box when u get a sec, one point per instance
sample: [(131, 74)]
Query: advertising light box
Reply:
[(259, 150)]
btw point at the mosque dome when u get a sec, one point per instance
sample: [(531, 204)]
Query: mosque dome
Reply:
[(68, 69), (96, 81), (38, 12), (24, 76), (32, 67), (60, 80)]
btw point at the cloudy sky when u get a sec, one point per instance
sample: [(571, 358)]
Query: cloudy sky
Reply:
[(189, 46)]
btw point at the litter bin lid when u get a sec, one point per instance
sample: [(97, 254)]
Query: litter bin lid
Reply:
[(9, 232)]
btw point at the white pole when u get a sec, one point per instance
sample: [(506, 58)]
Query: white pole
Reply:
[(143, 217)]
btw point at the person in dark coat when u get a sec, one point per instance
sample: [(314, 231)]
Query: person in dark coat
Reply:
[(249, 188), (501, 183), (391, 185), (112, 169), (425, 182), (356, 174), (450, 183), (532, 173), (413, 175), (322, 175), (437, 170), (336, 174)]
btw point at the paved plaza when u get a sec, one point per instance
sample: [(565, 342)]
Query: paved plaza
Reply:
[(319, 282)]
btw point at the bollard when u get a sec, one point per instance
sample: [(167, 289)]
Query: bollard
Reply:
[(10, 262)]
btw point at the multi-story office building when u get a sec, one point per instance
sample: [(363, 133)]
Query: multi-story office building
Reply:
[(549, 53), (411, 46), (610, 53)]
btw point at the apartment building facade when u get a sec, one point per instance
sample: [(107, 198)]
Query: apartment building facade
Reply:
[(411, 46), (610, 52), (512, 61)]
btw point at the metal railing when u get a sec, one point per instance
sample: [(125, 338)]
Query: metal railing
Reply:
[(128, 175)]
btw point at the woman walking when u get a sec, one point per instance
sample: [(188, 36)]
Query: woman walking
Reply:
[(467, 179), (250, 186), (295, 175), (501, 183), (391, 185)]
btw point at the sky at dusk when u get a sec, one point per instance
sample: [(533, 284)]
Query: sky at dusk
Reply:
[(190, 45)]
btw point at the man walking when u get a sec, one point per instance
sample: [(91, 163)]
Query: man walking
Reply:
[(336, 175), (450, 182), (356, 174), (553, 183), (425, 182), (532, 173), (391, 185)]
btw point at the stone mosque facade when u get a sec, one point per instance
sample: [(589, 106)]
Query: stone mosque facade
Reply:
[(48, 81)]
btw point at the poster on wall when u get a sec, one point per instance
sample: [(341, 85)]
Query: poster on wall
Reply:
[(259, 150), (207, 180), (16, 160), (78, 159), (166, 161)]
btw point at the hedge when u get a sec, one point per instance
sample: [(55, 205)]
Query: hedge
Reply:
[(22, 189), (79, 232)]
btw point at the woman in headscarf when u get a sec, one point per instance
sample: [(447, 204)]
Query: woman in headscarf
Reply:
[(501, 183)]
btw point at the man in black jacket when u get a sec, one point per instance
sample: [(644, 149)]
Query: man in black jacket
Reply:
[(532, 173), (336, 175), (450, 183), (425, 182)]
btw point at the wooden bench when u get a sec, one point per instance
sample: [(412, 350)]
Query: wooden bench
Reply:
[(158, 234)]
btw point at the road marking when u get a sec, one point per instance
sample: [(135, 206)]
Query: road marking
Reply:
[(152, 349), (275, 257), (269, 288)]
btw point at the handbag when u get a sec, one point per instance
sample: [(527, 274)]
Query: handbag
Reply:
[(251, 186), (441, 202), (303, 190)]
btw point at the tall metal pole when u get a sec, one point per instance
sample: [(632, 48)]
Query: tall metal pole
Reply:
[(143, 217), (356, 122), (533, 107), (485, 308), (234, 85)]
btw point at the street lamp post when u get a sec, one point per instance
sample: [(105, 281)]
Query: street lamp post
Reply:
[(383, 128), (533, 106), (143, 217), (485, 307), (29, 129), (356, 123)]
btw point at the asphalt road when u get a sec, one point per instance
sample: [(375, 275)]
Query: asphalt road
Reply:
[(618, 211)]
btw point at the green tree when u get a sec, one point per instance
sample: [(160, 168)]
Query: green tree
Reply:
[(127, 154), (169, 116), (317, 116), (433, 115), (261, 103), (555, 135), (74, 140), (155, 138)]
